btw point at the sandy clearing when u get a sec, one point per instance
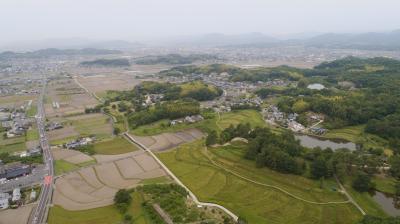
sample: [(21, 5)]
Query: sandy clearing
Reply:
[(79, 183), (185, 136), (62, 133), (81, 158), (151, 174), (161, 144), (110, 176), (145, 140), (71, 156), (90, 177), (16, 216), (146, 162), (165, 141), (66, 189), (32, 144), (104, 192), (196, 133), (109, 158), (71, 205), (173, 138), (63, 153), (129, 168), (85, 116)]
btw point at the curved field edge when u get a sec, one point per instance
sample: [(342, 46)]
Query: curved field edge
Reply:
[(258, 204)]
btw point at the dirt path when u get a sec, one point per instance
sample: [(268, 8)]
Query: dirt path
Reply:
[(349, 197), (169, 172)]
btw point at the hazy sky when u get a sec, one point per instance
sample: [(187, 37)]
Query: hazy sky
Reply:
[(136, 20)]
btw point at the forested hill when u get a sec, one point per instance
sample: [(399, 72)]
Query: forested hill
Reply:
[(119, 62), (174, 59)]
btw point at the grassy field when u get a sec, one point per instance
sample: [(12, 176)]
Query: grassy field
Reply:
[(10, 148), (32, 134), (366, 202), (384, 184), (103, 215), (62, 166), (357, 135), (117, 145), (258, 204), (32, 110), (217, 123)]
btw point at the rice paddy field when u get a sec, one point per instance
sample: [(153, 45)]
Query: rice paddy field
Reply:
[(192, 164)]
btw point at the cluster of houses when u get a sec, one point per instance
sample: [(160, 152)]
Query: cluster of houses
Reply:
[(53, 126), (187, 119), (78, 143), (274, 116), (151, 99), (15, 198), (16, 123)]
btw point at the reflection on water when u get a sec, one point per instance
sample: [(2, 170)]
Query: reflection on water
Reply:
[(312, 142), (389, 203)]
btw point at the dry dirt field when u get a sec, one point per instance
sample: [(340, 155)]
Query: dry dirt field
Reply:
[(16, 216), (167, 141), (96, 186), (71, 156), (70, 97), (82, 125)]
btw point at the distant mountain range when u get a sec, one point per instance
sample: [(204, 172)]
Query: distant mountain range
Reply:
[(364, 41), (51, 52), (71, 43)]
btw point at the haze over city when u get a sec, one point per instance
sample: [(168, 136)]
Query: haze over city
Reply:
[(28, 20), (199, 112)]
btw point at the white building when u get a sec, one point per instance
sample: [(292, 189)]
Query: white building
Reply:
[(16, 194)]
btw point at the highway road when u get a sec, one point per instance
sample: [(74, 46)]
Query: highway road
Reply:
[(39, 215)]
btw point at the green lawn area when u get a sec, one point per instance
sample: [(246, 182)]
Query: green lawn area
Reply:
[(10, 148), (366, 202), (32, 134), (357, 135), (117, 145), (32, 110), (217, 123), (103, 215), (62, 166), (384, 184), (258, 204)]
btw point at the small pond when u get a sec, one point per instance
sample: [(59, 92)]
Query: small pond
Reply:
[(312, 142), (388, 202)]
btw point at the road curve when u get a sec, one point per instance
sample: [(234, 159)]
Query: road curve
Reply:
[(193, 196)]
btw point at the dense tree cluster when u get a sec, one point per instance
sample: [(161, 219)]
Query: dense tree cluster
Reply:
[(174, 59), (166, 110), (119, 62)]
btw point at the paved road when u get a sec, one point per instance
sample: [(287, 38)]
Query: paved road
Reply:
[(39, 215)]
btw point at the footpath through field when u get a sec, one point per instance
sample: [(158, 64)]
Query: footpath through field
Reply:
[(193, 196)]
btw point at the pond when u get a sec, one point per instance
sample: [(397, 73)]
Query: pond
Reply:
[(316, 86), (312, 142), (387, 202)]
